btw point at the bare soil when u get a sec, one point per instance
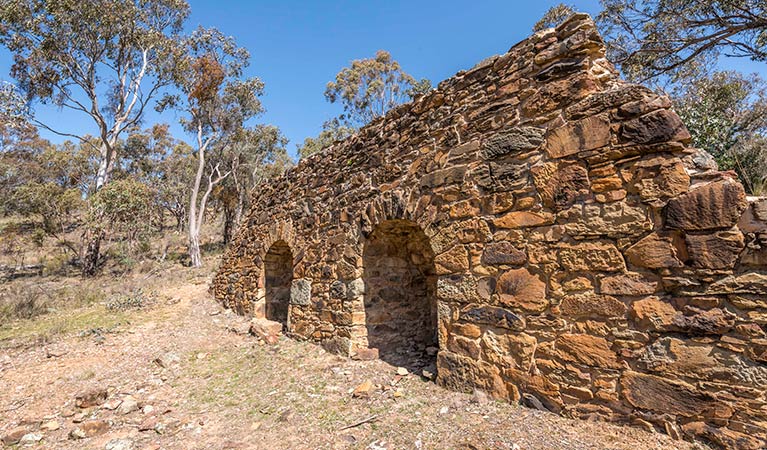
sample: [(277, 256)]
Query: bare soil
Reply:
[(201, 382)]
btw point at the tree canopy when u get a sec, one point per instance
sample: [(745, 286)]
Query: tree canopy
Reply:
[(652, 38)]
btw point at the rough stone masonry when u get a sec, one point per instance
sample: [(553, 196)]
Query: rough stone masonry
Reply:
[(535, 228)]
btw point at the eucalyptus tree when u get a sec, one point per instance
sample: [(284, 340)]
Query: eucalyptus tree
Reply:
[(216, 101), (654, 38), (261, 154), (367, 89), (107, 60), (370, 87), (554, 16)]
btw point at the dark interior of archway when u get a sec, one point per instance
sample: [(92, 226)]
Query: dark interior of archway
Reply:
[(278, 271), (400, 290)]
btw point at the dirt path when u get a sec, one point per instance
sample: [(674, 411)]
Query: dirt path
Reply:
[(183, 375)]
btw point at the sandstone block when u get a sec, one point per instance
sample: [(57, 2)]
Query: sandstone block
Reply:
[(591, 256), (503, 253), (715, 251), (587, 350), (590, 304), (301, 292), (560, 184), (523, 219), (513, 140), (716, 205), (494, 316), (519, 289), (653, 314), (630, 283), (586, 134), (265, 329), (455, 260), (665, 396), (656, 251), (658, 126)]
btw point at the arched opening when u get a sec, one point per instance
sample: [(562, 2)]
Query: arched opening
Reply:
[(278, 275), (400, 295)]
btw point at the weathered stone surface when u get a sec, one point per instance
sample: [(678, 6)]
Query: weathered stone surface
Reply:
[(658, 126), (513, 350), (714, 321), (542, 227), (560, 184), (613, 220), (656, 251), (265, 329), (454, 260), (522, 219), (503, 253), (587, 350), (490, 315), (724, 437), (653, 314), (747, 283), (628, 284), (661, 395), (588, 256), (301, 292), (715, 205), (583, 135), (657, 177), (519, 289), (592, 305), (715, 251), (513, 140)]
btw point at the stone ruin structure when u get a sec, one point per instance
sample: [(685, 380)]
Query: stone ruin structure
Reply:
[(535, 228)]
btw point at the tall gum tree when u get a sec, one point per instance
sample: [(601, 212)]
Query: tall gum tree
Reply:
[(216, 102), (106, 59)]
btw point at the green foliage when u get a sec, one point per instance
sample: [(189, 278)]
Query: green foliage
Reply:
[(370, 87), (554, 16), (125, 204), (13, 107), (677, 38), (105, 59), (726, 114), (332, 131)]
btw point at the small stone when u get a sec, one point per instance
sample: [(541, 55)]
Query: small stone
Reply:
[(363, 390), (112, 404), (31, 438), (120, 444), (77, 433), (94, 427), (128, 405), (166, 360), (14, 436), (148, 424), (401, 371), (444, 410), (366, 354), (92, 398), (147, 409), (50, 426)]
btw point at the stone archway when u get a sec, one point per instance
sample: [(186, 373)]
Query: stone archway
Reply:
[(400, 295), (278, 275)]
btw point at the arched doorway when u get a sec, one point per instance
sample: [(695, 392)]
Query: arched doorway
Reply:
[(278, 275), (400, 295)]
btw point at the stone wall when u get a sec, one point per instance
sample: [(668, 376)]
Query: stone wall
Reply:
[(551, 224)]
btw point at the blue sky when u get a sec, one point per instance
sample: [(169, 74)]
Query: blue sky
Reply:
[(298, 46)]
